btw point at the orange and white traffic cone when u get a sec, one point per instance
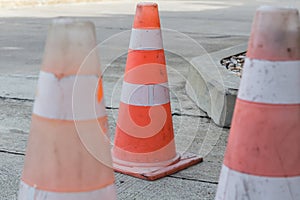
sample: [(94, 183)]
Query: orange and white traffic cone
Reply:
[(262, 160), (144, 144), (68, 153)]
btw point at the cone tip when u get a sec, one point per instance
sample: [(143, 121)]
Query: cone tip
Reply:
[(70, 47), (149, 4), (62, 20), (275, 34), (71, 21), (146, 16), (267, 8)]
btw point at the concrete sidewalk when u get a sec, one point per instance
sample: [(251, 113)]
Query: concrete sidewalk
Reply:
[(31, 3), (191, 29)]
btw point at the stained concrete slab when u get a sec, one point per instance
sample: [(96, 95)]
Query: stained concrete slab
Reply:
[(212, 148), (127, 187), (18, 86), (10, 172), (204, 138), (15, 114), (13, 141), (163, 189)]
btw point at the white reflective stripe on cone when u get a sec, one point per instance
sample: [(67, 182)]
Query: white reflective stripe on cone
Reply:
[(145, 39), (69, 98), (236, 185), (107, 193), (145, 95), (270, 82)]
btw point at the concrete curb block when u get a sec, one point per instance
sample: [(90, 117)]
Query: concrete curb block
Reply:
[(27, 3), (212, 87)]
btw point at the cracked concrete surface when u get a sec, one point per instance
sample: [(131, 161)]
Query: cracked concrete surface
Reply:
[(202, 177)]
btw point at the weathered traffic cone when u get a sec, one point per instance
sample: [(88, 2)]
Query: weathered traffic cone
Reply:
[(68, 154), (262, 160), (144, 144)]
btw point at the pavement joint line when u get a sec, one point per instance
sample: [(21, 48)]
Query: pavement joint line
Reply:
[(173, 114), (15, 98), (111, 108), (207, 35), (195, 180), (116, 28), (12, 152), (107, 107), (189, 115)]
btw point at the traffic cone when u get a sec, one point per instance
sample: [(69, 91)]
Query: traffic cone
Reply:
[(262, 160), (68, 153), (144, 144)]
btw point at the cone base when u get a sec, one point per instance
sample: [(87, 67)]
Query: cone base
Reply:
[(28, 192), (153, 173)]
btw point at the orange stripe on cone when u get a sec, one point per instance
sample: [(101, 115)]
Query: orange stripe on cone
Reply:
[(146, 67), (146, 131), (144, 144), (264, 139), (57, 160)]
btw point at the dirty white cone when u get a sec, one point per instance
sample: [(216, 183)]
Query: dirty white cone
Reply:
[(262, 160), (68, 152)]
